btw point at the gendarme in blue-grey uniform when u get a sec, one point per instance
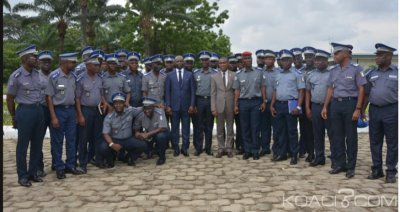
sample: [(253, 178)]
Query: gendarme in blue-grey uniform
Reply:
[(61, 101), (345, 93), (85, 53), (26, 87), (153, 83), (249, 101), (382, 94), (134, 79)]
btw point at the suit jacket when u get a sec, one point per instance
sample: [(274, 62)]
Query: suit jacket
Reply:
[(180, 97), (222, 97)]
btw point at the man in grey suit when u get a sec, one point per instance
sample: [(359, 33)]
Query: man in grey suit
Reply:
[(222, 99)]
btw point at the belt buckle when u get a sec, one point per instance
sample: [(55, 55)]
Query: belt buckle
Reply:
[(340, 99), (205, 97)]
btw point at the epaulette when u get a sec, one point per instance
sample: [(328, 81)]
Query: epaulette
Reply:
[(332, 67), (355, 64), (17, 74), (196, 70), (368, 71), (163, 73), (121, 74), (238, 72), (146, 74), (55, 75), (101, 75), (78, 78)]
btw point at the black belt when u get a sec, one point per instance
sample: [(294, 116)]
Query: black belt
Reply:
[(89, 107), (318, 103), (64, 106), (31, 105), (203, 97), (342, 99), (250, 98), (388, 105)]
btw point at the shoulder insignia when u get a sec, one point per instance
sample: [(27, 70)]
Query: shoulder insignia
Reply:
[(121, 75), (17, 74), (146, 74), (196, 70), (332, 67), (163, 73), (55, 75), (355, 64)]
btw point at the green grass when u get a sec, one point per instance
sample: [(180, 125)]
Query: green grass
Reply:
[(4, 88)]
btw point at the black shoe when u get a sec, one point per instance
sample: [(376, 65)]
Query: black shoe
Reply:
[(73, 171), (246, 156), (149, 155), (274, 157), (316, 163), (265, 152), (131, 162), (375, 174), (310, 158), (302, 155), (350, 173), (101, 165), (160, 162), (239, 152), (109, 165), (185, 153), (256, 156), (337, 170), (176, 153), (280, 158), (53, 168), (197, 153), (36, 179), (60, 174), (390, 179), (25, 182), (293, 161), (208, 152), (92, 161), (82, 169), (41, 173)]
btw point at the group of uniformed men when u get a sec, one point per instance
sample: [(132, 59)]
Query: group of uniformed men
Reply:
[(107, 109)]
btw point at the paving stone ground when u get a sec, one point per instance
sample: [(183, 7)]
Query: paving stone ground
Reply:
[(201, 184)]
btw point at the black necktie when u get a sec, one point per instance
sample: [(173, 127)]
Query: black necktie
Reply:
[(224, 78), (180, 77)]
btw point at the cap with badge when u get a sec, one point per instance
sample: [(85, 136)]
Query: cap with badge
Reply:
[(384, 48), (93, 58), (341, 47), (133, 56), (169, 58), (148, 101), (204, 55), (188, 57), (112, 58), (278, 55), (238, 56), (157, 58), (101, 55), (284, 53), (118, 97), (308, 50), (46, 54), (147, 60), (28, 50), (73, 56), (214, 56), (232, 59), (87, 50), (362, 123), (322, 53), (121, 53), (269, 53), (260, 53), (296, 51)]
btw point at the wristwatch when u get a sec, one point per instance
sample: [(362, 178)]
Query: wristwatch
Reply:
[(110, 145), (298, 107)]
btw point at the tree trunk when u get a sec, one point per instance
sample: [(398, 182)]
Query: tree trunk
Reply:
[(91, 33), (83, 4), (145, 25), (62, 30)]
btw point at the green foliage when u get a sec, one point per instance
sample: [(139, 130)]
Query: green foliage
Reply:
[(10, 60)]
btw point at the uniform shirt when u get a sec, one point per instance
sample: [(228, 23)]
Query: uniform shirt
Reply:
[(79, 69), (317, 82), (45, 81), (61, 88), (135, 83), (165, 71), (345, 81), (382, 86), (269, 79), (154, 85), (287, 83), (158, 120), (27, 87), (89, 89), (203, 81), (113, 84), (119, 126), (249, 82)]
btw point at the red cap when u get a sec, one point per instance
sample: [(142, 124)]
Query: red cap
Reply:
[(246, 53)]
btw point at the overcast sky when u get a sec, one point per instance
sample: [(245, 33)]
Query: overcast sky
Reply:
[(278, 24)]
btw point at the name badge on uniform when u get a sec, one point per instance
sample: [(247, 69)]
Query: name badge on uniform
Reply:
[(128, 81), (28, 92), (242, 80), (349, 77), (198, 78), (374, 77), (392, 76), (88, 93), (106, 91)]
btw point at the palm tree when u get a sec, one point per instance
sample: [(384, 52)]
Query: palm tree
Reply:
[(151, 11), (7, 5), (60, 11), (44, 36), (83, 17)]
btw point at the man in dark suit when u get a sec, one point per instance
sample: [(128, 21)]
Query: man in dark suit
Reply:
[(180, 102)]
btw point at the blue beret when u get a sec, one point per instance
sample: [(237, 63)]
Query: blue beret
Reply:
[(46, 54), (260, 53), (133, 56), (308, 50), (269, 53), (69, 56), (322, 53), (339, 47), (214, 56), (204, 55), (87, 50), (384, 48), (148, 101), (118, 96), (188, 56), (28, 50), (286, 53), (296, 51), (362, 123)]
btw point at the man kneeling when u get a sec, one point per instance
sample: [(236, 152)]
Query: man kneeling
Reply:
[(117, 132), (151, 126)]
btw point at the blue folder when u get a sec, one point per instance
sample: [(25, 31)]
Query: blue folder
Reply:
[(292, 104)]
